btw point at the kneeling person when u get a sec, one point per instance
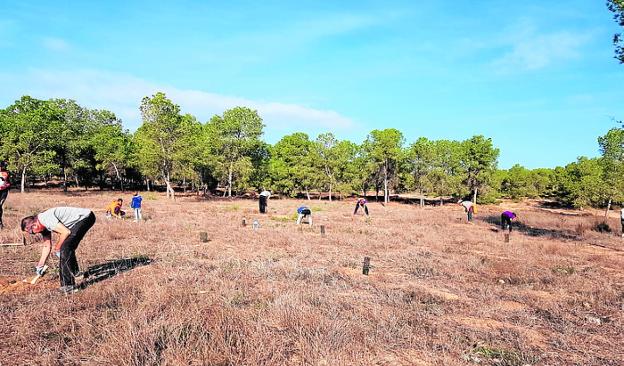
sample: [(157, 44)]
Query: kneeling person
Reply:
[(71, 224), (114, 209), (304, 212)]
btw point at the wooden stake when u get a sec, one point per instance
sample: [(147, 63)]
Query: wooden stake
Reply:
[(366, 266), (506, 237), (322, 230), (203, 237), (11, 244)]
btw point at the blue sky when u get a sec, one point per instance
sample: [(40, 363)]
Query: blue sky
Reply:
[(537, 77)]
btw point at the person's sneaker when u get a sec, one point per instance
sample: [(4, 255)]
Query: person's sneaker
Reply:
[(69, 289)]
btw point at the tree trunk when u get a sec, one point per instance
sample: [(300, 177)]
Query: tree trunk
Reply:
[(230, 180), (474, 196), (330, 193), (308, 193), (386, 198), (147, 181), (64, 180), (118, 177), (23, 184), (608, 208), (170, 191), (77, 182)]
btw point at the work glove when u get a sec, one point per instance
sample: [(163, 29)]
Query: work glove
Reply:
[(58, 254), (40, 270)]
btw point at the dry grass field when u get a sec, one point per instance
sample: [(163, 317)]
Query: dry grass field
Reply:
[(440, 291)]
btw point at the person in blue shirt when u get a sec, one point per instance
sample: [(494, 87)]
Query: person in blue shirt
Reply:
[(136, 205), (304, 212)]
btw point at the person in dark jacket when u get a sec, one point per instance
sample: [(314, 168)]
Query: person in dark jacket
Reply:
[(5, 184)]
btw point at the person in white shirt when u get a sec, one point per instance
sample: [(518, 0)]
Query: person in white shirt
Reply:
[(468, 207)]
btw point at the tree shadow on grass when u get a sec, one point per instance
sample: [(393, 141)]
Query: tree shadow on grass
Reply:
[(531, 230), (101, 272)]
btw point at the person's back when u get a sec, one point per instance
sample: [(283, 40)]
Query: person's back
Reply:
[(136, 201), (68, 216), (136, 204), (509, 214), (304, 212)]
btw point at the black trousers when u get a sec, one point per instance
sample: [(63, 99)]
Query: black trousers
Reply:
[(3, 196), (357, 206), (263, 204), (505, 222), (68, 263), (470, 213)]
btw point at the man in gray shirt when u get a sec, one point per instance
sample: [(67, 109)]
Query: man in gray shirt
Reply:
[(71, 224)]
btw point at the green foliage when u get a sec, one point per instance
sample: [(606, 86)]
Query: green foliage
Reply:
[(291, 166), (617, 8), (612, 149), (162, 141), (580, 184), (59, 138), (384, 151), (479, 160), (235, 145)]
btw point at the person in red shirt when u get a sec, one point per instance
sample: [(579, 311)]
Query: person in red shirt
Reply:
[(5, 184)]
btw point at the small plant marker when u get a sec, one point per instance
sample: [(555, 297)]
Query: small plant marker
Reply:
[(506, 237), (203, 237), (366, 266), (244, 222), (322, 230)]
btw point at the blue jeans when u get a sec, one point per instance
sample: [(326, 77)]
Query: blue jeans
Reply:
[(137, 214)]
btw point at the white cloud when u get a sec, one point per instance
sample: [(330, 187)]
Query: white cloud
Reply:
[(122, 94), (528, 50), (55, 44)]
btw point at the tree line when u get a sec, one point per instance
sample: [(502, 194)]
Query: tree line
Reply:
[(59, 139)]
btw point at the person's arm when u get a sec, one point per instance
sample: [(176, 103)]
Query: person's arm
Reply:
[(45, 250), (63, 234)]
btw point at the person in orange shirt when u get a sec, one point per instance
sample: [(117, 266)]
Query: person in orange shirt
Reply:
[(114, 209)]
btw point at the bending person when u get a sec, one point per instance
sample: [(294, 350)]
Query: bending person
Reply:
[(361, 202), (304, 212), (263, 200), (71, 224), (114, 209), (468, 208), (506, 218)]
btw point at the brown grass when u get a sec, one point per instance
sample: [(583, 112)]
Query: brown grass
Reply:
[(440, 291)]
